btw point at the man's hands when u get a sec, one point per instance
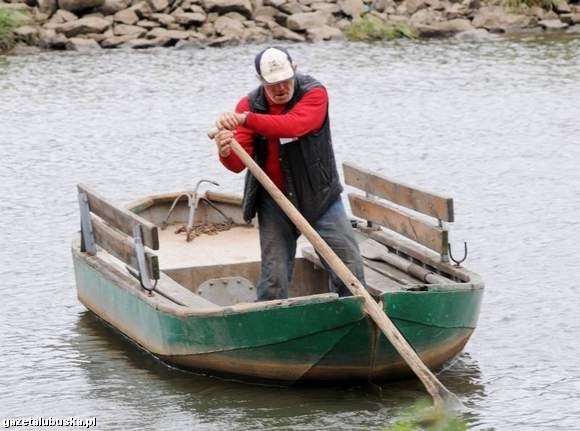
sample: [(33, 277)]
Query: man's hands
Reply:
[(223, 140), (226, 123), (230, 120)]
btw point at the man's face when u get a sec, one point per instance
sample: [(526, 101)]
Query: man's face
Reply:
[(280, 93)]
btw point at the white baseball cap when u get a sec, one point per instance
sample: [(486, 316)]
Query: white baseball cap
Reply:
[(274, 65)]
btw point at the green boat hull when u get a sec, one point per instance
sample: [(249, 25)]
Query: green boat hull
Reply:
[(327, 339)]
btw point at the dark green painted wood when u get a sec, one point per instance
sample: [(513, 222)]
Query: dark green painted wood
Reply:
[(326, 334)]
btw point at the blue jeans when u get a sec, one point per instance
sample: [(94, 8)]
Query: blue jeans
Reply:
[(278, 237)]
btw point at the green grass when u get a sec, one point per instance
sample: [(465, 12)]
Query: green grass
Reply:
[(423, 417), (369, 28), (517, 5), (9, 21)]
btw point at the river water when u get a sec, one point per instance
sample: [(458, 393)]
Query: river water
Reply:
[(494, 124)]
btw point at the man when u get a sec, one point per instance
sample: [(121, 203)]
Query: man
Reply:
[(283, 124)]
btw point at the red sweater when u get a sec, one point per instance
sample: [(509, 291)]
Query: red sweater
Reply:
[(306, 116)]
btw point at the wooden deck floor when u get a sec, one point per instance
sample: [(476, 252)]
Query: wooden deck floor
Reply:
[(240, 244)]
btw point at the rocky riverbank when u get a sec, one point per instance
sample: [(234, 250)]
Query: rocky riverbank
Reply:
[(96, 24)]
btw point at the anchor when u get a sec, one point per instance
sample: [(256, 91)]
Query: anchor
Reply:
[(193, 199)]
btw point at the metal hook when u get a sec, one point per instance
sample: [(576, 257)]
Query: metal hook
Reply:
[(460, 261), (193, 205)]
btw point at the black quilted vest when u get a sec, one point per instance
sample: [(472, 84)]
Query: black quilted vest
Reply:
[(310, 175)]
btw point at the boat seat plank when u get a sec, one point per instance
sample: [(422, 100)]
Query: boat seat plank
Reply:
[(180, 295), (377, 283), (414, 198), (121, 218)]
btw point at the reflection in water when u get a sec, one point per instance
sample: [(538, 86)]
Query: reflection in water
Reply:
[(116, 368)]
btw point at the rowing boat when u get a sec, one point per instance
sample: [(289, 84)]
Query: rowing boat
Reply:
[(177, 273)]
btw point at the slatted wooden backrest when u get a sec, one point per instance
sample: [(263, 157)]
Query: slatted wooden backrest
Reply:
[(112, 229), (395, 217)]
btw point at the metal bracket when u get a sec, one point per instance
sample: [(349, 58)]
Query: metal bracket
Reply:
[(370, 197), (143, 275), (87, 236), (458, 262), (444, 253)]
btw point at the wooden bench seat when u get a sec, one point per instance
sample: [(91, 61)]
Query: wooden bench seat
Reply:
[(376, 282)]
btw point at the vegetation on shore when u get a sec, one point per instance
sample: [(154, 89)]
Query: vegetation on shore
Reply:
[(520, 4), (9, 21), (422, 416), (369, 27)]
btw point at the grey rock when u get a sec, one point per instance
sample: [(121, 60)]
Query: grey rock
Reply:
[(195, 8), (562, 7), (125, 29), (257, 35), (99, 37), (323, 33), (158, 5), (454, 26), (343, 24), (494, 18), (39, 17), (237, 16), (142, 9), (329, 8), (83, 26), (163, 19), (148, 25), (127, 16), (292, 7), (27, 34), (274, 3), (47, 6), (207, 29), (303, 21), (265, 11), (229, 27), (79, 5), (189, 18), (352, 8), (457, 10), (111, 7), (50, 39), (115, 41), (62, 16), (222, 41), (412, 6), (82, 45), (283, 33), (174, 35), (382, 5), (553, 24), (435, 4), (425, 17), (224, 6)]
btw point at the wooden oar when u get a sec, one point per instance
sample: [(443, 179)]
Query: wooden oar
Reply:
[(441, 395)]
